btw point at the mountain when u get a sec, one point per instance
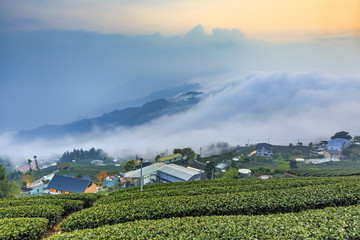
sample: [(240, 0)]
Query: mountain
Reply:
[(128, 117), (137, 102)]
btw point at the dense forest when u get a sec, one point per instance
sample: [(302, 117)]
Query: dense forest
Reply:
[(82, 154)]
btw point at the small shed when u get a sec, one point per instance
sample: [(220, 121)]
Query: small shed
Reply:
[(245, 172)]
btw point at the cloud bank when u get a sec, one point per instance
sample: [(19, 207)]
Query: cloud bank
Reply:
[(54, 77), (283, 106)]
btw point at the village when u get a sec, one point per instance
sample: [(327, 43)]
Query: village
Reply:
[(185, 165)]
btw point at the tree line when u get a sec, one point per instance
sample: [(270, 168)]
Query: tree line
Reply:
[(82, 154)]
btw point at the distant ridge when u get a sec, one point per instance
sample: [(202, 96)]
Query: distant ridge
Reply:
[(128, 117)]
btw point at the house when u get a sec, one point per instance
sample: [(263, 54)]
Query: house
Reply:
[(221, 166), (176, 173), (64, 184), (245, 172), (149, 174), (200, 167), (264, 149), (338, 144), (171, 158), (111, 183), (39, 190), (97, 162)]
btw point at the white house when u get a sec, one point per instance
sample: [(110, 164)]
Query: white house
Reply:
[(264, 149)]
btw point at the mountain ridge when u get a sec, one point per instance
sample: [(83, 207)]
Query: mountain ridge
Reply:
[(127, 117)]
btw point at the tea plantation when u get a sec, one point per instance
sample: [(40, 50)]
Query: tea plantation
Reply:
[(295, 208)]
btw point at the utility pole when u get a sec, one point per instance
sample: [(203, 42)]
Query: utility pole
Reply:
[(268, 140), (141, 176)]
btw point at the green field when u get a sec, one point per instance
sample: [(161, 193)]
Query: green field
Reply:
[(288, 208)]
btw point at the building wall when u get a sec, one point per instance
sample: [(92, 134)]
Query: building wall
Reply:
[(168, 178), (91, 189)]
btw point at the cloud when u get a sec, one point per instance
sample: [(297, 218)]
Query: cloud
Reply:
[(283, 106)]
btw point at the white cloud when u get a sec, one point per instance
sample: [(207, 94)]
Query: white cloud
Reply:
[(283, 106)]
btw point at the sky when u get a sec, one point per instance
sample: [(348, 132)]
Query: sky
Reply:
[(62, 61)]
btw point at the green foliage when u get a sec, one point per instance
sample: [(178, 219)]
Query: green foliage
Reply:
[(22, 228), (67, 204), (51, 212), (260, 170), (328, 223), (210, 187), (245, 203), (341, 134), (283, 165), (232, 173), (325, 173), (87, 198), (7, 189), (293, 164), (81, 154), (130, 165)]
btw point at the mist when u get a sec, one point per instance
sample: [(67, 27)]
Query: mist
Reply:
[(279, 107)]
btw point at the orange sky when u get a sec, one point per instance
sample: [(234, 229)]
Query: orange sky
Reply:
[(264, 19), (261, 17)]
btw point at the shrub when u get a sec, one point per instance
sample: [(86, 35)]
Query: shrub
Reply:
[(251, 203), (51, 212), (328, 223), (22, 228), (68, 205)]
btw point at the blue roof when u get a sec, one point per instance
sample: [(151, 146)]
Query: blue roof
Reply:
[(335, 143), (342, 140), (68, 184), (112, 183), (87, 177)]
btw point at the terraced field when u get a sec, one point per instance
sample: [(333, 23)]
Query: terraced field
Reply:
[(311, 208)]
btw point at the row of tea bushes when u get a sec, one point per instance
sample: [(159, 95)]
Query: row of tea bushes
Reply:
[(224, 183), (68, 205), (328, 223), (251, 203), (87, 198), (51, 212), (325, 173), (204, 187), (22, 228)]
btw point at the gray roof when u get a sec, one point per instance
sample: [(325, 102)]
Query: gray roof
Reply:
[(153, 168), (68, 184), (198, 165), (266, 146), (178, 171)]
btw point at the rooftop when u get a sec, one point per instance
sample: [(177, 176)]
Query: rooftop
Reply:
[(163, 159), (68, 184), (178, 171), (145, 171)]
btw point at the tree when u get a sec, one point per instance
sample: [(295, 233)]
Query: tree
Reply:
[(357, 138), (7, 189), (102, 174), (283, 165), (232, 173), (209, 168), (29, 162), (341, 134), (36, 163), (27, 178), (293, 164), (130, 165)]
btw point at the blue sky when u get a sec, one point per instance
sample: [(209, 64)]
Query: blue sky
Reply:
[(61, 60)]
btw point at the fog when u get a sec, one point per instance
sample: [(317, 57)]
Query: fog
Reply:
[(279, 107)]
